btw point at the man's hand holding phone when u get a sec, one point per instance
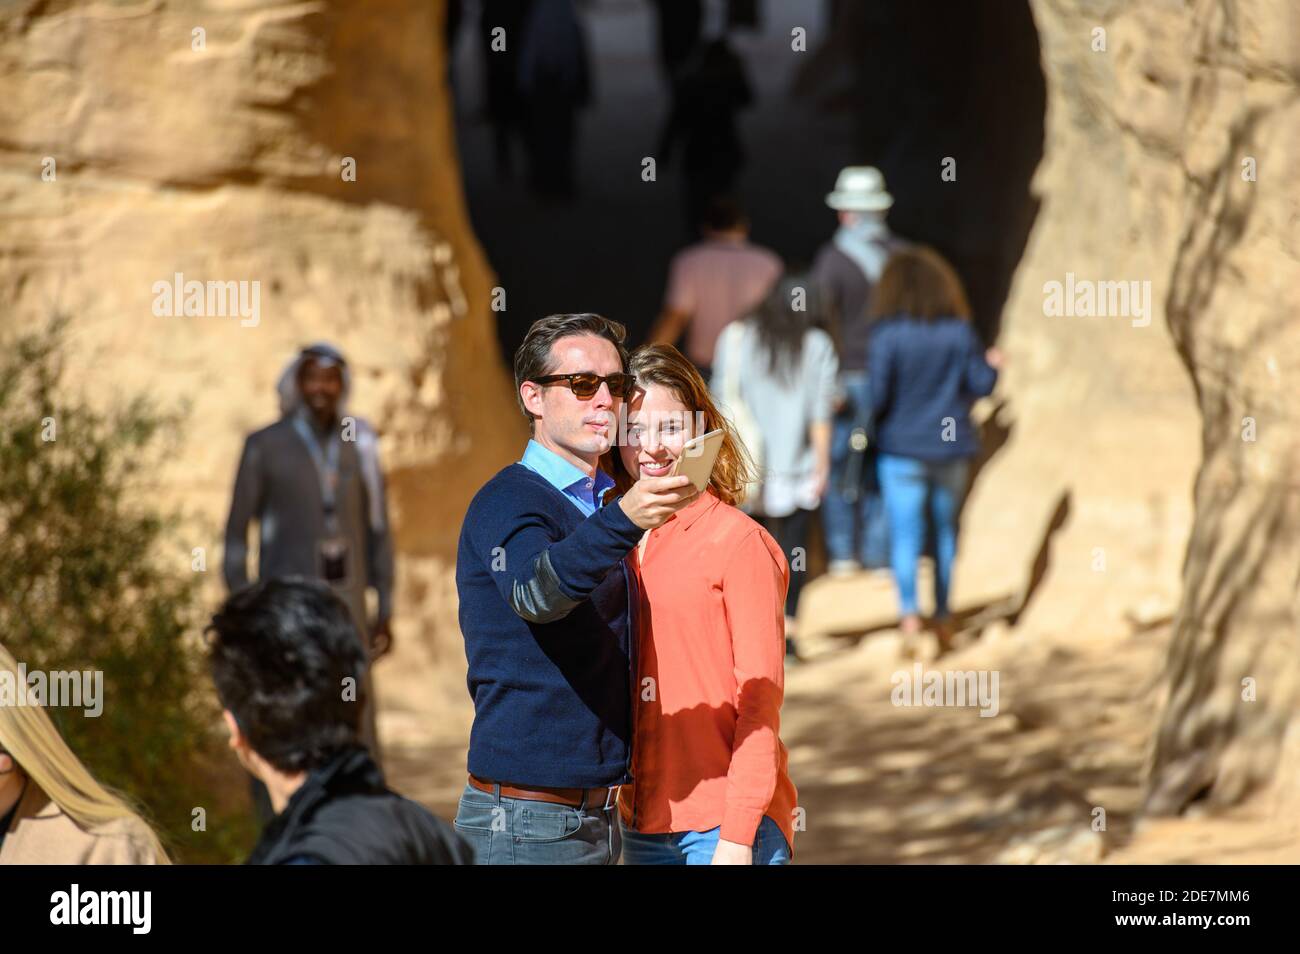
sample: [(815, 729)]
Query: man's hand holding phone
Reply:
[(652, 500)]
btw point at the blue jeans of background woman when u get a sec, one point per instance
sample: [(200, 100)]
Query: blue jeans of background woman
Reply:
[(912, 489), (853, 517)]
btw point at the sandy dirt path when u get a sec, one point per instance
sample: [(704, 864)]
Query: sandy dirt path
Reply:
[(883, 783)]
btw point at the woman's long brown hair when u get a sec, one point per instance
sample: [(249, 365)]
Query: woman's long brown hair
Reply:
[(918, 282), (667, 367)]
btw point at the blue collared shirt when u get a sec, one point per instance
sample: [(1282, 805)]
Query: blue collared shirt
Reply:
[(567, 478)]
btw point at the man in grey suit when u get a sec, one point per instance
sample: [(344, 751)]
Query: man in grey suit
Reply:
[(313, 483)]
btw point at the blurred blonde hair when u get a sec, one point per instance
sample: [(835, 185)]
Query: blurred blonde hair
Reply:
[(30, 737), (666, 366)]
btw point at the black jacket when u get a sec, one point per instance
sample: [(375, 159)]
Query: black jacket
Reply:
[(345, 815)]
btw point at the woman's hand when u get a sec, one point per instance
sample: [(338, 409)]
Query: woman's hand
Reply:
[(733, 853), (820, 437), (821, 478), (994, 358)]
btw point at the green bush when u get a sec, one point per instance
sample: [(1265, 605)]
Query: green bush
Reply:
[(83, 586)]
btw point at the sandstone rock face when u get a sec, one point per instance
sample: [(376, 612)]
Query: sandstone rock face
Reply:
[(210, 139), (1163, 442), (1149, 470)]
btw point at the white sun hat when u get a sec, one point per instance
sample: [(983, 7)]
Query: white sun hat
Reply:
[(859, 189)]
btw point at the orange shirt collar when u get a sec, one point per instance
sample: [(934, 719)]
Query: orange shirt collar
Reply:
[(692, 512)]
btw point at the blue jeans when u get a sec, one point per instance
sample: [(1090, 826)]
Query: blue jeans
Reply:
[(696, 847), (855, 527), (910, 487), (518, 831)]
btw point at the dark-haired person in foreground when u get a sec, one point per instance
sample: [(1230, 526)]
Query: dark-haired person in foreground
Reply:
[(546, 609), (289, 669)]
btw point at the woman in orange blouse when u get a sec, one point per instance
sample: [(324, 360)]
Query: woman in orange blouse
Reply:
[(710, 778)]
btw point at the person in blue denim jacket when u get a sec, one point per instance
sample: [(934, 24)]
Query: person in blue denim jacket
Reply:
[(927, 366)]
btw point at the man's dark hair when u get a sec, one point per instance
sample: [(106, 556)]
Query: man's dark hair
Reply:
[(533, 358), (722, 214), (279, 651)]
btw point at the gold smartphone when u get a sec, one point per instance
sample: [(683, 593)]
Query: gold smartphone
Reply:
[(697, 458)]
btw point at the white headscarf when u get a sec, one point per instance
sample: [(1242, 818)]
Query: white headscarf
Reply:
[(367, 441), (866, 242)]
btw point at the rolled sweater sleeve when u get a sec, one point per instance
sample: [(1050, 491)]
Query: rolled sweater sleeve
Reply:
[(542, 577), (753, 591)]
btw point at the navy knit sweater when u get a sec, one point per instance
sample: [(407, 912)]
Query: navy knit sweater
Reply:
[(924, 376), (549, 634)]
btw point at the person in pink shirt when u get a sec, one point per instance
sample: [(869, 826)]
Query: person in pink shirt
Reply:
[(713, 282)]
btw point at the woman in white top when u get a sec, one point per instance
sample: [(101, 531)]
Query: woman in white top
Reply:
[(774, 373)]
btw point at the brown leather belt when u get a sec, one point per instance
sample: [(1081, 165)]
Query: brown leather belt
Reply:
[(573, 797)]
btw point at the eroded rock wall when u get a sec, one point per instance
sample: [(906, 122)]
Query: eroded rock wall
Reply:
[(1171, 158), (220, 155)]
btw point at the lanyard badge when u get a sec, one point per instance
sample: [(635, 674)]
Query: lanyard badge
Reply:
[(332, 555)]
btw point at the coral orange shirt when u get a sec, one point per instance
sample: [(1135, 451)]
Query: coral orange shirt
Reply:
[(710, 679)]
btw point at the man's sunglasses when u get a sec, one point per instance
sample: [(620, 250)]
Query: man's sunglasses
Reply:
[(584, 384)]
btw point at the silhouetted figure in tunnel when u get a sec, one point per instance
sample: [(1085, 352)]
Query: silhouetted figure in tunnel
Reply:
[(555, 82), (680, 22), (450, 33), (744, 13), (712, 88), (504, 103)]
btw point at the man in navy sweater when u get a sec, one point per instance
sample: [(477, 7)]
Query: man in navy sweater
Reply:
[(546, 609)]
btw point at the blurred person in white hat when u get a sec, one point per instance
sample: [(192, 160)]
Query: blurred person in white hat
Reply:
[(847, 269)]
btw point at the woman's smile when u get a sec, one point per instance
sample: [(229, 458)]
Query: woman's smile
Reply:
[(650, 468)]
